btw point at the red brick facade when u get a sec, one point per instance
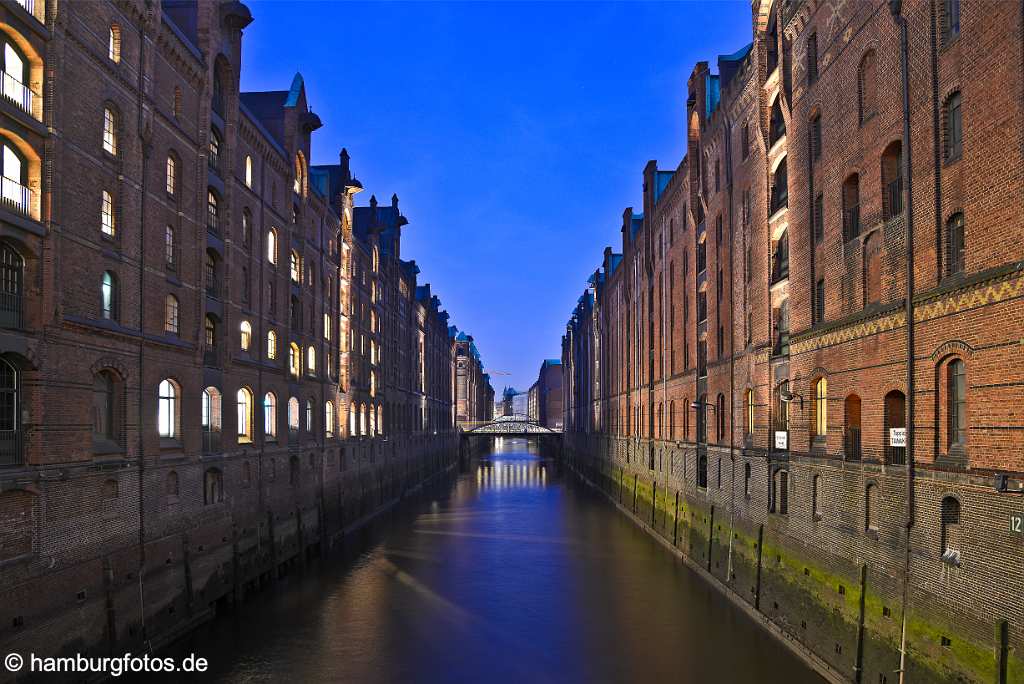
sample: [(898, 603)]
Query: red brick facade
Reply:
[(211, 361), (749, 345)]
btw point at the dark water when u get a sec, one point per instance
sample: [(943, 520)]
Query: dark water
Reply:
[(512, 574)]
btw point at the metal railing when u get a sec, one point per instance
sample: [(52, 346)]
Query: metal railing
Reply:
[(17, 92), (10, 310), (15, 196), (851, 444), (11, 452)]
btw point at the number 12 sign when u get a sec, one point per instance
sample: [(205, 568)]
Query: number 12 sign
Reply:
[(1017, 523)]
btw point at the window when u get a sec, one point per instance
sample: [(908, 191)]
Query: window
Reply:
[(103, 405), (309, 415), (10, 413), (167, 409), (171, 314), (812, 58), (780, 188), (953, 128), (244, 408), (895, 416), (749, 406), (851, 428), (15, 76), (745, 141), (871, 508), (956, 398), (866, 86), (272, 246), (816, 137), (213, 486), (819, 301), (212, 212), (169, 248), (816, 497), (955, 244), (294, 360), (950, 20), (15, 192), (821, 408), (271, 345), (950, 541), (851, 207), (720, 410), (310, 360), (214, 159), (177, 102), (295, 263), (109, 131), (819, 217), (108, 296), (329, 419), (300, 169), (210, 326), (246, 228), (245, 331), (172, 175), (270, 416), (780, 498), (114, 43), (777, 124), (293, 414), (892, 180), (248, 171), (107, 214), (746, 480)]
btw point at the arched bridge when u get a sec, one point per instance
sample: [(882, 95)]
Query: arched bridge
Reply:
[(508, 426)]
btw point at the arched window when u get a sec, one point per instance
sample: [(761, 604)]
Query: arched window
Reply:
[(950, 20), (871, 508), (172, 175), (213, 486), (950, 541), (246, 227), (109, 296), (293, 414), (217, 99), (294, 360), (851, 428), (672, 420), (720, 410), (245, 331), (362, 420), (15, 192), (171, 314), (168, 419), (212, 211), (892, 180), (777, 124), (248, 171), (749, 412), (380, 419), (780, 495), (329, 419), (271, 345), (702, 418), (686, 419), (867, 84), (309, 415), (953, 128), (780, 187), (211, 420), (170, 247), (300, 173), (10, 413), (272, 246), (210, 270), (310, 360), (109, 131), (295, 266), (376, 259), (104, 409), (956, 403), (851, 206), (873, 268), (955, 244), (107, 218), (821, 408), (114, 43), (16, 76), (894, 418), (353, 419), (245, 412), (210, 327), (270, 416)]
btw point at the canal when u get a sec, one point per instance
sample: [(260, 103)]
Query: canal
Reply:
[(512, 572)]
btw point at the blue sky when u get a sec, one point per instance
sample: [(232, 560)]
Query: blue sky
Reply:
[(514, 134)]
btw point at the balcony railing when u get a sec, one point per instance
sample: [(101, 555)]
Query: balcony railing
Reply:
[(851, 444), (15, 196), (10, 310), (11, 452), (851, 222), (894, 193), (17, 92)]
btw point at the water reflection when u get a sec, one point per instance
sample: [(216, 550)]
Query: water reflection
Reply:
[(510, 574)]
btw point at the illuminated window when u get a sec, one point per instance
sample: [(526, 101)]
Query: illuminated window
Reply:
[(114, 43), (107, 223), (750, 411), (172, 175), (295, 262), (167, 409), (171, 314), (956, 396), (245, 407), (271, 344), (169, 246), (329, 419), (109, 131), (293, 414), (248, 171), (272, 246), (309, 415), (246, 335), (108, 296), (821, 407), (311, 360), (294, 360)]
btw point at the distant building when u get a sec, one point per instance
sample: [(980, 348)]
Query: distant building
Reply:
[(544, 403), (474, 396), (513, 403)]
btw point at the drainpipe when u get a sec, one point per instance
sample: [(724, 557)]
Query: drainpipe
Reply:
[(732, 347), (895, 8)]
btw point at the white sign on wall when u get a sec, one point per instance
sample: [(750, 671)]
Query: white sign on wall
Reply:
[(781, 439), (898, 437)]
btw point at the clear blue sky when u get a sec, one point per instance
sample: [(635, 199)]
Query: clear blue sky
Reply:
[(514, 135)]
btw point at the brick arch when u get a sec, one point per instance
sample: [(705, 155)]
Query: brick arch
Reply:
[(952, 348), (110, 363)]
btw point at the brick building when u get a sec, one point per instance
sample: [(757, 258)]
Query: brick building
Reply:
[(211, 361), (544, 398), (748, 347), (474, 395)]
